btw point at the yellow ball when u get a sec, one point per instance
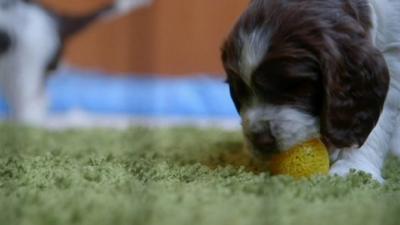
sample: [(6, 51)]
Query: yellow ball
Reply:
[(304, 160)]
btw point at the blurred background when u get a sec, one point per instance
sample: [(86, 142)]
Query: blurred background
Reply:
[(175, 37), (156, 65)]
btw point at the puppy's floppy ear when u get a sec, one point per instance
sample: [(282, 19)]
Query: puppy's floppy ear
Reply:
[(355, 81)]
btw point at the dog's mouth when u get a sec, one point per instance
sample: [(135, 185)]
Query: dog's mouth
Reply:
[(261, 151)]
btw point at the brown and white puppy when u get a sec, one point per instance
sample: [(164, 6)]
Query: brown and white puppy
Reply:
[(32, 39), (299, 69)]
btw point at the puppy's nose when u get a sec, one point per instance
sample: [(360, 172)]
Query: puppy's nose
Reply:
[(5, 42), (264, 141)]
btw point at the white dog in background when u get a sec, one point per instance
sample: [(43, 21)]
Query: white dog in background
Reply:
[(32, 39)]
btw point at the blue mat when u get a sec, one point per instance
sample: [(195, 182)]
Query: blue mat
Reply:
[(96, 92)]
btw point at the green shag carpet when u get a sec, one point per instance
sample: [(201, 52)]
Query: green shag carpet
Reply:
[(180, 176)]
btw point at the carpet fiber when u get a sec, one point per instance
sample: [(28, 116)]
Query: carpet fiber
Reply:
[(168, 176)]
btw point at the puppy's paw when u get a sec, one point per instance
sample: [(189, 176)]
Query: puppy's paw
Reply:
[(343, 167)]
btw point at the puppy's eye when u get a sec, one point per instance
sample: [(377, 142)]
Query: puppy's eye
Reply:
[(239, 91), (241, 88), (237, 83)]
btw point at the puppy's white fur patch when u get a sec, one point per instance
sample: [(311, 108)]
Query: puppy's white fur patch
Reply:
[(395, 144), (364, 159), (288, 125), (254, 48)]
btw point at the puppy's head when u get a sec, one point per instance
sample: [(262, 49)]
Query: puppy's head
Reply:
[(304, 69)]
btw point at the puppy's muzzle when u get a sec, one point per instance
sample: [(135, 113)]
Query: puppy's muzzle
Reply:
[(263, 141)]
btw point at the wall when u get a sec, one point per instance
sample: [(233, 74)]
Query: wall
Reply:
[(170, 37)]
